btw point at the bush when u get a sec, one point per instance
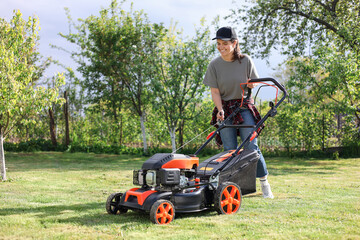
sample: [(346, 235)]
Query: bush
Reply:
[(32, 145), (35, 145)]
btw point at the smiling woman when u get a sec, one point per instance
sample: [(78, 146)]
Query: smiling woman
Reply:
[(224, 76)]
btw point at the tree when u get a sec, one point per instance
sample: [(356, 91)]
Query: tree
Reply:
[(19, 94), (115, 56), (329, 29), (330, 81), (178, 84), (291, 24)]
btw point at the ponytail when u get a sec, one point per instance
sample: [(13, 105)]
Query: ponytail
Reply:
[(237, 52)]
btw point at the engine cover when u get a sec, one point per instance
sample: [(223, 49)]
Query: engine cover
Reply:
[(169, 176), (170, 160)]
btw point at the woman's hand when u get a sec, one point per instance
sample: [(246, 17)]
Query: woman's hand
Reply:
[(215, 93), (251, 85), (220, 115)]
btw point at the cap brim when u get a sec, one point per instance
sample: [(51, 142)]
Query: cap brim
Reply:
[(224, 39)]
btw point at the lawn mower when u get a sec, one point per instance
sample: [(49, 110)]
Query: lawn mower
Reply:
[(172, 183)]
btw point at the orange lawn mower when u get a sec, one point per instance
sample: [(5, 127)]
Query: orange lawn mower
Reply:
[(172, 183)]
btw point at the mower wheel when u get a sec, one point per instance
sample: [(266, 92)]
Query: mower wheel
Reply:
[(112, 204), (227, 198), (162, 212)]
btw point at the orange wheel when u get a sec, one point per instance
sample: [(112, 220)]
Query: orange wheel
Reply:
[(162, 212), (228, 198)]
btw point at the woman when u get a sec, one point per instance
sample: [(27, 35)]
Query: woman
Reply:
[(224, 75)]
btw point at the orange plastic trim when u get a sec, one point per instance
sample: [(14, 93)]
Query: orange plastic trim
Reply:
[(182, 163), (197, 182), (225, 156), (210, 135), (254, 135), (141, 196)]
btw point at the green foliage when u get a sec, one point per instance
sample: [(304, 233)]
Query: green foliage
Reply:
[(178, 85), (129, 63), (33, 145), (131, 68), (328, 85), (21, 98), (323, 85), (292, 25), (115, 57)]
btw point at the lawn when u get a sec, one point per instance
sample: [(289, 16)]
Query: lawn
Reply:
[(62, 196)]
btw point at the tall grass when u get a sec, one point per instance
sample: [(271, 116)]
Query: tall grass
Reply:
[(62, 196)]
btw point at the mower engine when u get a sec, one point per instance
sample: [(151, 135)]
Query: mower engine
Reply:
[(166, 172)]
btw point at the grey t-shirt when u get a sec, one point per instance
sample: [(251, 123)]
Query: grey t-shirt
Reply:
[(227, 76)]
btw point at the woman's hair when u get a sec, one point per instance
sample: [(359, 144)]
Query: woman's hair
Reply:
[(237, 52)]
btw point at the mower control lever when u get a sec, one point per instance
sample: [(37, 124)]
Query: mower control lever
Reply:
[(273, 110)]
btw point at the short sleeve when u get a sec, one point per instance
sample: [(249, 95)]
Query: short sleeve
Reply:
[(252, 73), (210, 78)]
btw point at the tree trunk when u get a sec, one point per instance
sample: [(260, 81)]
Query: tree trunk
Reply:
[(2, 158), (173, 137), (181, 132), (52, 128), (121, 130), (142, 121), (120, 124), (66, 114), (323, 133)]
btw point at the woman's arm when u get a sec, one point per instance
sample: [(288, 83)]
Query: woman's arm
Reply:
[(216, 97)]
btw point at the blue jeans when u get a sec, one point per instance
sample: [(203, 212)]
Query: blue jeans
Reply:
[(229, 139)]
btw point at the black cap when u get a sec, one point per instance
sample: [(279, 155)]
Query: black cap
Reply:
[(226, 34)]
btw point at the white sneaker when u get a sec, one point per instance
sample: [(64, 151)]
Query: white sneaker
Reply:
[(266, 189)]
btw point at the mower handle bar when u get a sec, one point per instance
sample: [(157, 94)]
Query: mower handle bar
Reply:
[(255, 80), (276, 83), (271, 112)]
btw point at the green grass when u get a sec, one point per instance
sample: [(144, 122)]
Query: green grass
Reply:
[(62, 196)]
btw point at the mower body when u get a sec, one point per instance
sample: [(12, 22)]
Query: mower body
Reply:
[(189, 185)]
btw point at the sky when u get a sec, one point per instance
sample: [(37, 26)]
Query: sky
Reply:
[(53, 20)]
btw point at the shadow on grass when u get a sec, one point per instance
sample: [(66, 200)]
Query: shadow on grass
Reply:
[(84, 214), (128, 219), (53, 210), (58, 214)]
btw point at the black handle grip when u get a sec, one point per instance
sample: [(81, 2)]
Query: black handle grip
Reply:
[(255, 80)]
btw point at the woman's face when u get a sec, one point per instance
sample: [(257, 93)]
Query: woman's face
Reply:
[(226, 49)]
